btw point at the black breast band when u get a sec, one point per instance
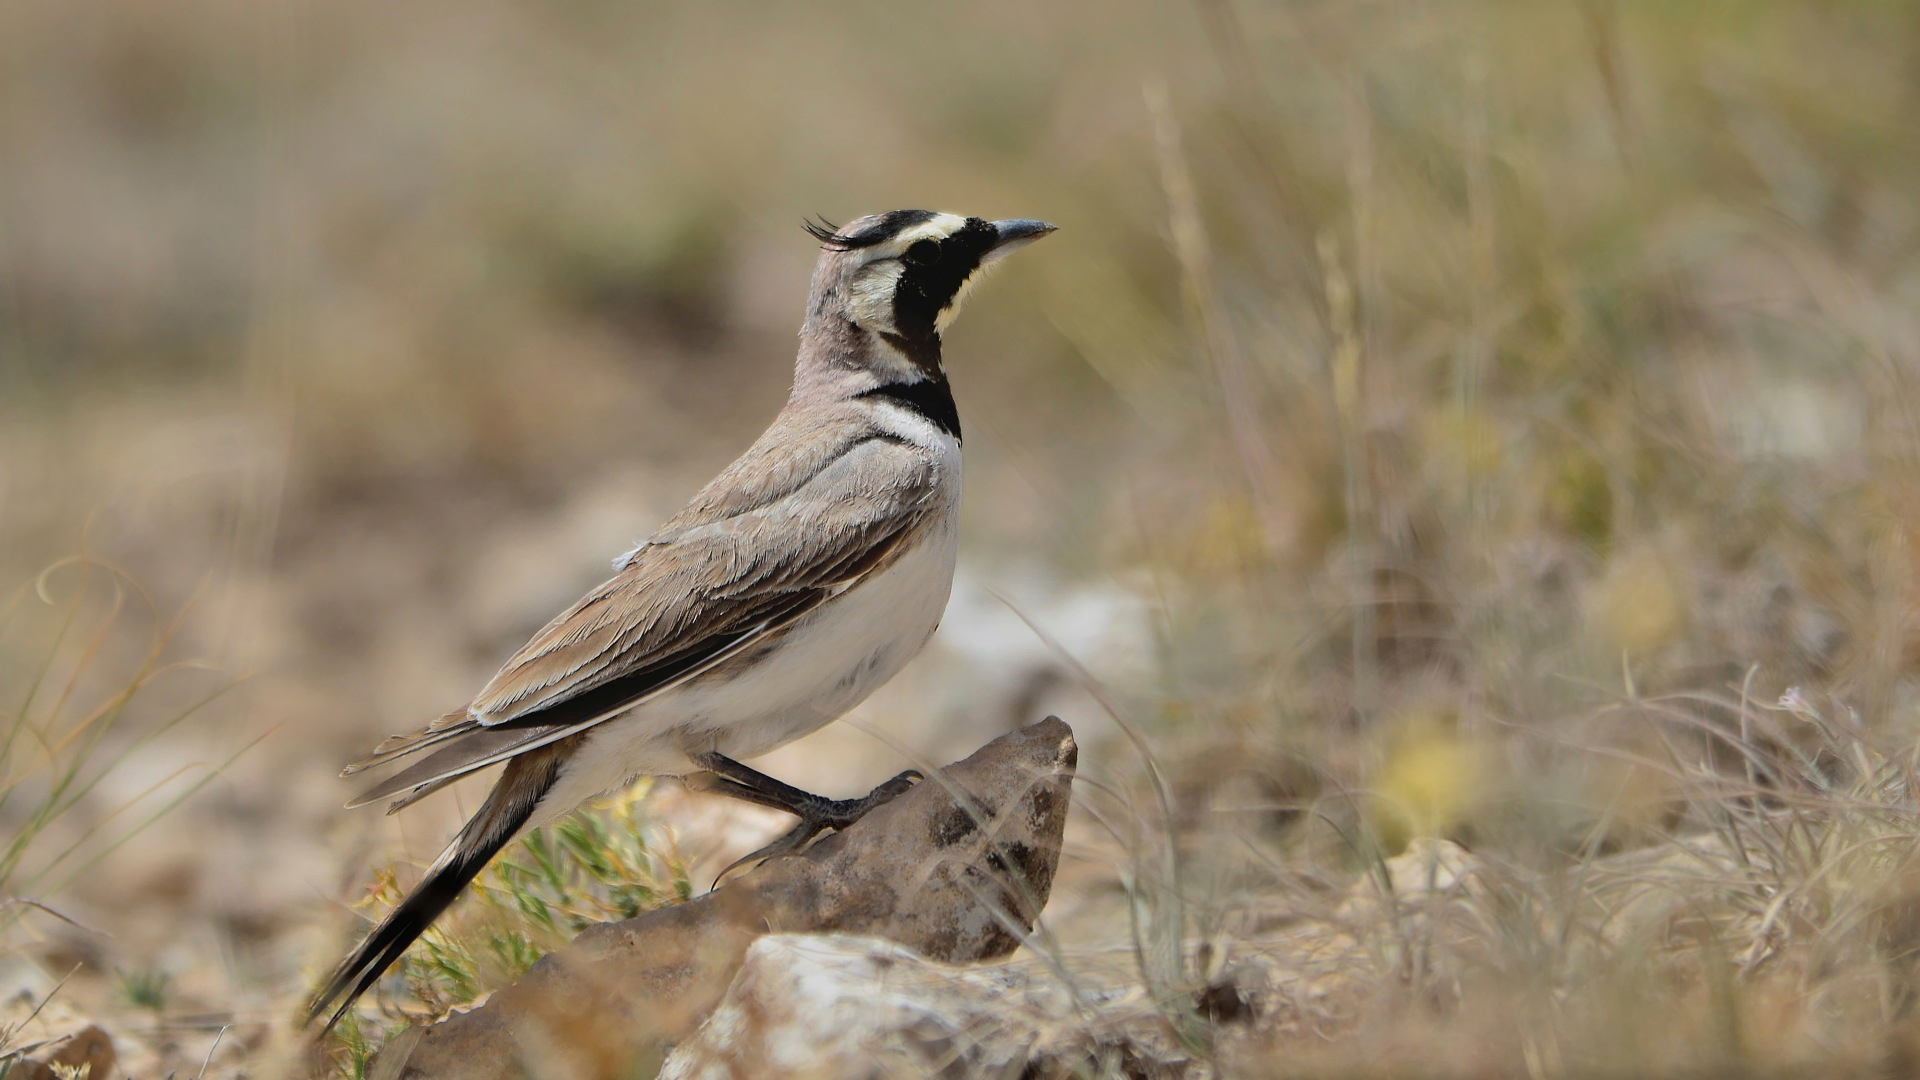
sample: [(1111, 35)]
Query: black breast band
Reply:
[(931, 398)]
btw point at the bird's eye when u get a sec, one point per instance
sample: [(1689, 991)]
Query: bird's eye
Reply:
[(922, 252)]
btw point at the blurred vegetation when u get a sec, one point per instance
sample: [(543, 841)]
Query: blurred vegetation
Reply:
[(79, 716), (1503, 408)]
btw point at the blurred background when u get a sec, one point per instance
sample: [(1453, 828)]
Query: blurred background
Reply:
[(1452, 419)]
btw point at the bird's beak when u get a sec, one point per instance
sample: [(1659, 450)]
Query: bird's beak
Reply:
[(1015, 233)]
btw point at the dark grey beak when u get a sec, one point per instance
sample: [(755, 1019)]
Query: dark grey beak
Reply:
[(1015, 233)]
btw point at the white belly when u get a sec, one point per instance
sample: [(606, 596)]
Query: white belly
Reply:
[(833, 660), (824, 666)]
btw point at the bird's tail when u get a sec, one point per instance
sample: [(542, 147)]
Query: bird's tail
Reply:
[(520, 789)]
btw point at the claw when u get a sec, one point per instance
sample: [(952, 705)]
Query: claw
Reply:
[(882, 795), (793, 840)]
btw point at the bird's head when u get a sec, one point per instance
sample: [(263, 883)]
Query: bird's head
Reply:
[(897, 279)]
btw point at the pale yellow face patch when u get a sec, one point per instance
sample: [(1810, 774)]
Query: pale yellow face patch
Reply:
[(870, 294), (938, 227), (945, 317)]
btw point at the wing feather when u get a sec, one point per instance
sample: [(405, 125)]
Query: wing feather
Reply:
[(397, 746), (721, 576), (716, 578)]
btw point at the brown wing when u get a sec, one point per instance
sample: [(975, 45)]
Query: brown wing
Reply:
[(696, 593)]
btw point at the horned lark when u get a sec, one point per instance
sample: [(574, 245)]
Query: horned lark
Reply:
[(804, 576)]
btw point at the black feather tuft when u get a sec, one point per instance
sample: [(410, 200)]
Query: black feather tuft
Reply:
[(824, 231), (833, 239)]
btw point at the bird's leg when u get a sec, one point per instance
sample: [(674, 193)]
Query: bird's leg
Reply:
[(713, 783), (817, 813), (729, 777)]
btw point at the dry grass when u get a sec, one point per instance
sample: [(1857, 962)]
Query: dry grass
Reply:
[(91, 700), (95, 701), (1503, 414)]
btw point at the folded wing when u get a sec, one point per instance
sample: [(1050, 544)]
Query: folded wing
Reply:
[(697, 594)]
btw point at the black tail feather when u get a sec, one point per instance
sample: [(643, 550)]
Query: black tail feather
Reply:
[(520, 788)]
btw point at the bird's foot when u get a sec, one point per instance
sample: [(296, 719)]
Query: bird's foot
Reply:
[(820, 814)]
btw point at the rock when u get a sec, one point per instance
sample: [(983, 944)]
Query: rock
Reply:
[(836, 1005), (956, 869)]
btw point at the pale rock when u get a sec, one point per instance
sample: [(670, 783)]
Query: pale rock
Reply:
[(815, 1006), (835, 1005)]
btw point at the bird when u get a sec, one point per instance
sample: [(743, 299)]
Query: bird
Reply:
[(804, 576)]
